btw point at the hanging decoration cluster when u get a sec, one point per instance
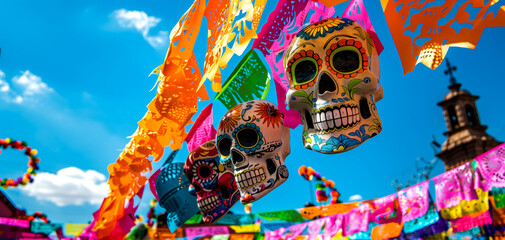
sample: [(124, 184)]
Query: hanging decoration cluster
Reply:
[(322, 184), (180, 80), (32, 163), (179, 89), (466, 205)]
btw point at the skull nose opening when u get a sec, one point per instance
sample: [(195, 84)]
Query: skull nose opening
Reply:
[(236, 157), (364, 109), (326, 84), (224, 192), (271, 167), (308, 120)]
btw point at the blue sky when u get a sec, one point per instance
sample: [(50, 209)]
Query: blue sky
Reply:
[(77, 84)]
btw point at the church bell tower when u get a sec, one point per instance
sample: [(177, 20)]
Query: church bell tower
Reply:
[(466, 136)]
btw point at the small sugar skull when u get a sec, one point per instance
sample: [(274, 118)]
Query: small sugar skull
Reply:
[(214, 185), (333, 71), (252, 139)]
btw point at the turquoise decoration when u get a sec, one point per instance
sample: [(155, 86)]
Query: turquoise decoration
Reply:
[(333, 144), (429, 218), (366, 234), (172, 188)]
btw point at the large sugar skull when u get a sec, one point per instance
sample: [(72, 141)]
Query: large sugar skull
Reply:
[(252, 139), (333, 71), (214, 185)]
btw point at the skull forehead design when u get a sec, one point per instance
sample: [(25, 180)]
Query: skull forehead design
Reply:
[(213, 184), (333, 71), (252, 139)]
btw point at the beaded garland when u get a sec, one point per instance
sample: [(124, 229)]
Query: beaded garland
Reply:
[(32, 163)]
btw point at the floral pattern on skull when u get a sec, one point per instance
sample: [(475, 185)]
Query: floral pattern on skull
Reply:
[(213, 184), (252, 139), (334, 76)]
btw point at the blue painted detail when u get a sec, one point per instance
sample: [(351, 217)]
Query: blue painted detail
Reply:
[(255, 147)]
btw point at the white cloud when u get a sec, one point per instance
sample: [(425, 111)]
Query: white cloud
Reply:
[(4, 86), (142, 23), (69, 186), (31, 84), (23, 86), (355, 197)]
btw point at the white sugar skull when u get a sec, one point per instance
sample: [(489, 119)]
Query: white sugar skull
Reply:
[(252, 139), (333, 71)]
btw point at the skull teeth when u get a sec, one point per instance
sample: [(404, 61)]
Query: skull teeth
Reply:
[(250, 178), (335, 118), (209, 203)]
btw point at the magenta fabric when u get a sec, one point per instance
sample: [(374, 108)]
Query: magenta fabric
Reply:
[(468, 222), (296, 230), (152, 184), (275, 235), (453, 186), (384, 210), (356, 220), (332, 225), (468, 179), (414, 201), (284, 14), (315, 227), (197, 232), (491, 167), (202, 130), (15, 222), (356, 11)]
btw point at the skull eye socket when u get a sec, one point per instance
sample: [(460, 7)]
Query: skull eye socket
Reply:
[(224, 146), (204, 171), (304, 71), (346, 59), (248, 137)]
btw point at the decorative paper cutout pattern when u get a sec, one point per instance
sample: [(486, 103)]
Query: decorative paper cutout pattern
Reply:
[(454, 186), (385, 210), (491, 166), (296, 230), (163, 125), (356, 11), (429, 218), (225, 28), (202, 130), (423, 31), (468, 222), (356, 220), (414, 201), (467, 207), (315, 228), (249, 80)]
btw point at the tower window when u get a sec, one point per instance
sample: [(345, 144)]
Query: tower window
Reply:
[(470, 114), (451, 110)]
